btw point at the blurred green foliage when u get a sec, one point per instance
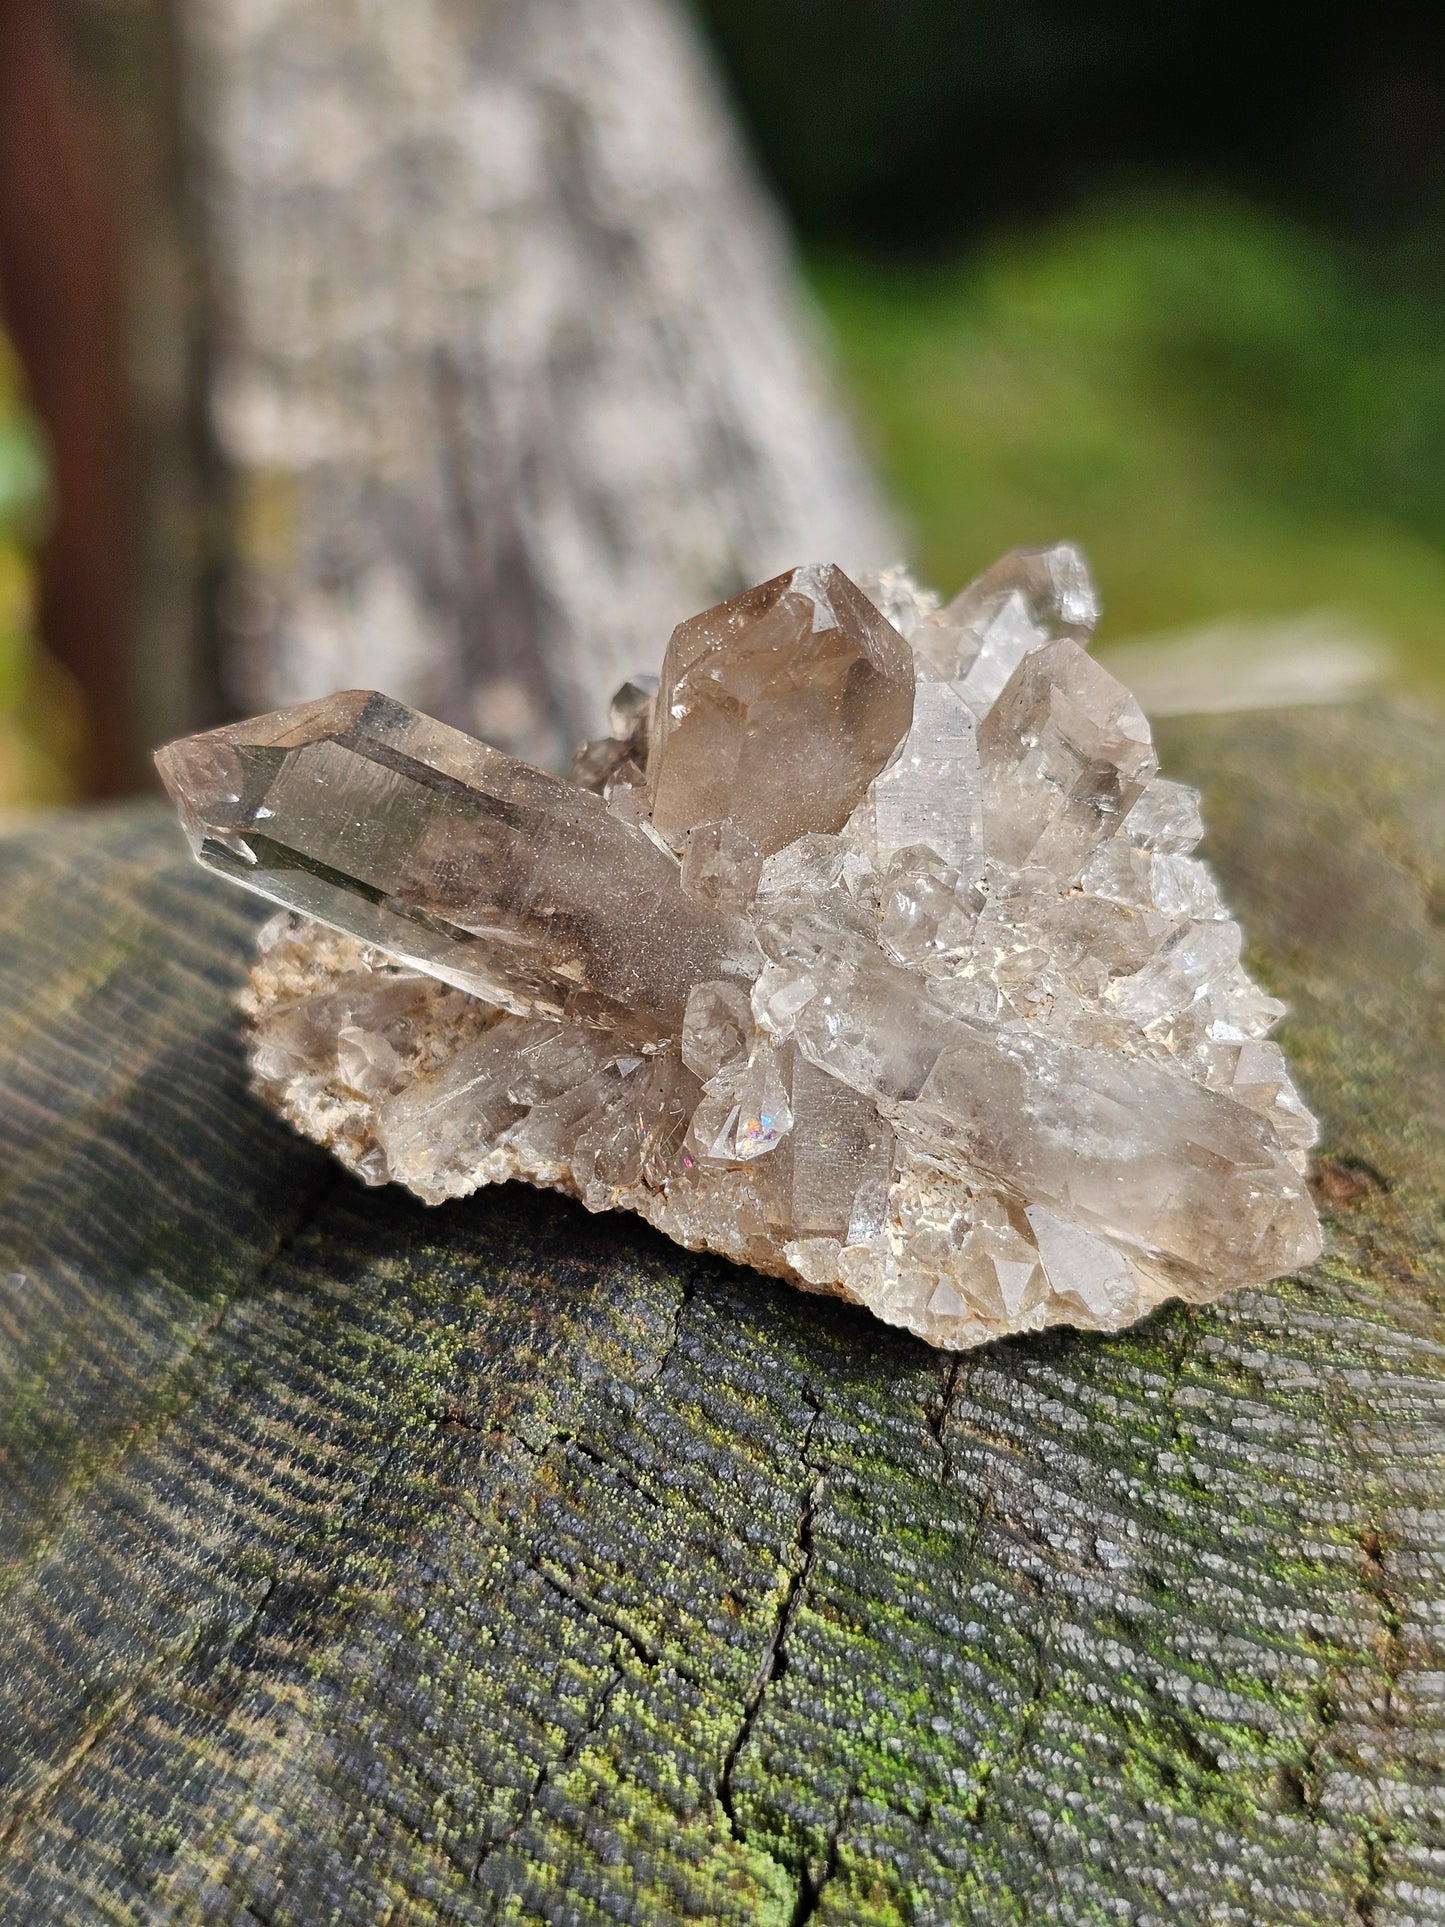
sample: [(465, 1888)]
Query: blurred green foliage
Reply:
[(22, 483), (38, 709), (1231, 413), (22, 473)]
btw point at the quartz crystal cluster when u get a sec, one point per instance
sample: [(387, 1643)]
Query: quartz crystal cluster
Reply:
[(868, 949)]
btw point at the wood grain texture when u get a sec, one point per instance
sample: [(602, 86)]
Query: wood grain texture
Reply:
[(507, 362), (365, 1563)]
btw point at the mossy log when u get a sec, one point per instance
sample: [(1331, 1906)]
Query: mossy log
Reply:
[(367, 1563)]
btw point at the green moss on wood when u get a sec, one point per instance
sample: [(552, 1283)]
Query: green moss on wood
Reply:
[(360, 1562)]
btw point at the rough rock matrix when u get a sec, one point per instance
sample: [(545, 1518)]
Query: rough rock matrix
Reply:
[(868, 949)]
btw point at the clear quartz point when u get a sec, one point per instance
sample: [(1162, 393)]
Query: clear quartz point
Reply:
[(1066, 753), (885, 966), (1031, 596)]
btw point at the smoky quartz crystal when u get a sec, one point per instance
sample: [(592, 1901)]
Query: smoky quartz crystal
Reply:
[(869, 949)]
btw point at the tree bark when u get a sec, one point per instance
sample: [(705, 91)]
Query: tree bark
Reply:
[(452, 347), (361, 1562), (507, 367)]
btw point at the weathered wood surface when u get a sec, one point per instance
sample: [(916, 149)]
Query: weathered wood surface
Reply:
[(506, 361), (366, 1563)]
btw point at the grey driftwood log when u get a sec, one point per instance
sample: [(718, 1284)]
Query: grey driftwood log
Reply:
[(364, 1563), (506, 364)]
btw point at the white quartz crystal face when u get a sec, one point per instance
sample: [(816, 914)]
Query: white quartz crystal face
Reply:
[(932, 791), (869, 948)]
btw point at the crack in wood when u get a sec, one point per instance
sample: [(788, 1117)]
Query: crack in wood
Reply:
[(1028, 1721), (550, 1769), (774, 1658), (572, 1442), (811, 1886), (684, 1299), (305, 1216), (46, 1790), (562, 1583), (954, 1370)]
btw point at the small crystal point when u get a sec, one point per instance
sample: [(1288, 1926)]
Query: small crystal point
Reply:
[(618, 761), (908, 989), (629, 714), (777, 709), (1029, 597), (1066, 752), (1166, 818)]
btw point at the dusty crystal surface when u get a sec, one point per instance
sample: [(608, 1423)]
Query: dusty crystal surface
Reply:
[(870, 948)]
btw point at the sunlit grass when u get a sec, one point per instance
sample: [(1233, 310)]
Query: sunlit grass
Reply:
[(1228, 413)]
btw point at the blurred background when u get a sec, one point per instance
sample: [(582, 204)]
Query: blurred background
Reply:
[(436, 354), (1169, 278)]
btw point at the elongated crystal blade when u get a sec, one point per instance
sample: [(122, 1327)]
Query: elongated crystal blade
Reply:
[(475, 868)]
